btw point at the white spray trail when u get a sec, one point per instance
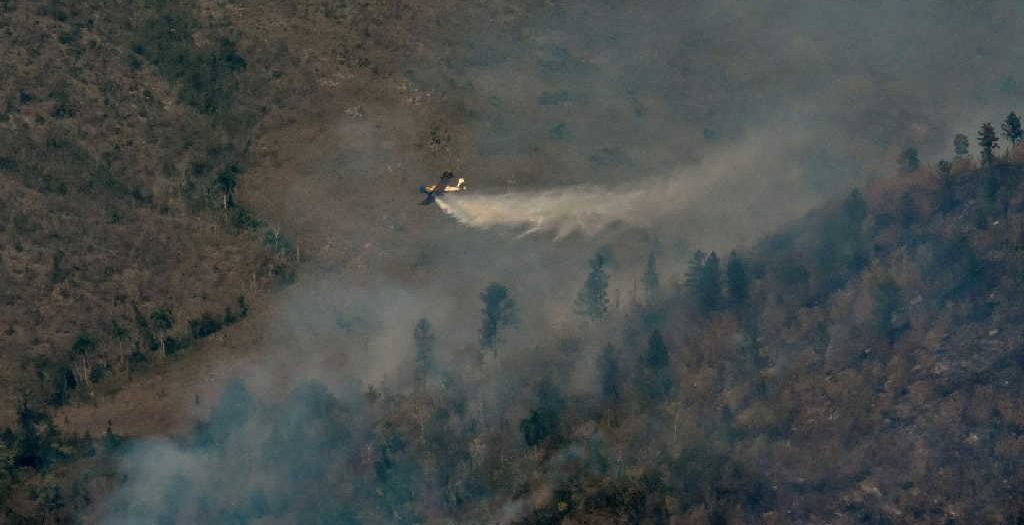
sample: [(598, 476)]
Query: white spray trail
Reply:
[(586, 209), (741, 174)]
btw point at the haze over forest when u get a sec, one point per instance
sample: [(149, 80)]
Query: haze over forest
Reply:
[(719, 262)]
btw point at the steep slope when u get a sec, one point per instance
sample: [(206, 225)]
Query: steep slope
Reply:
[(148, 167), (862, 366), (127, 134), (112, 181)]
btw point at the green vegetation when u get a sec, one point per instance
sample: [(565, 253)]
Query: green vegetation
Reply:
[(797, 387), (737, 280), (205, 76), (499, 312), (961, 146), (544, 425), (424, 340), (909, 160), (989, 142), (858, 367), (650, 279), (592, 300), (1012, 130), (704, 279)]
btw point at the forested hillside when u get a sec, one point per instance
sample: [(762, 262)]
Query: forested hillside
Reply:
[(204, 204), (861, 366), (127, 131)]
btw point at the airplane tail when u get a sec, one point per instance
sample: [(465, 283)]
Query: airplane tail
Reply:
[(429, 200)]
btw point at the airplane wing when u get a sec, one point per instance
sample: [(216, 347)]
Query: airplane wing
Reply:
[(440, 188)]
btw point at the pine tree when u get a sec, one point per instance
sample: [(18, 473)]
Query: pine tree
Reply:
[(651, 280), (704, 280), (711, 284), (423, 338), (592, 300), (227, 181), (961, 147), (544, 422), (947, 194), (989, 142), (1012, 129), (610, 376), (658, 381), (909, 160), (695, 269), (737, 280), (499, 311), (163, 321)]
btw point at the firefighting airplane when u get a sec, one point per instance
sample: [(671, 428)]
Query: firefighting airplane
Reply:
[(443, 186)]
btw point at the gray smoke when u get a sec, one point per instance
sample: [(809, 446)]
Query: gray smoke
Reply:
[(704, 123)]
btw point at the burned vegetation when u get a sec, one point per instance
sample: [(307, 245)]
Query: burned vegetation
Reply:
[(859, 366)]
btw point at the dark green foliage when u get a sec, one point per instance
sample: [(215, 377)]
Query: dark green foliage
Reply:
[(945, 168), (499, 311), (544, 422), (163, 319), (989, 142), (64, 383), (611, 376), (841, 251), (658, 381), (163, 322), (592, 299), (961, 146), (35, 441), (888, 301), (8, 164), (704, 280), (206, 77), (1012, 129), (737, 280), (166, 40), (909, 160), (226, 182), (243, 219), (84, 345), (946, 200), (423, 338), (204, 326), (229, 316), (394, 473), (650, 279)]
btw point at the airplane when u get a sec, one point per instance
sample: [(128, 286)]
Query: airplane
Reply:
[(442, 187)]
